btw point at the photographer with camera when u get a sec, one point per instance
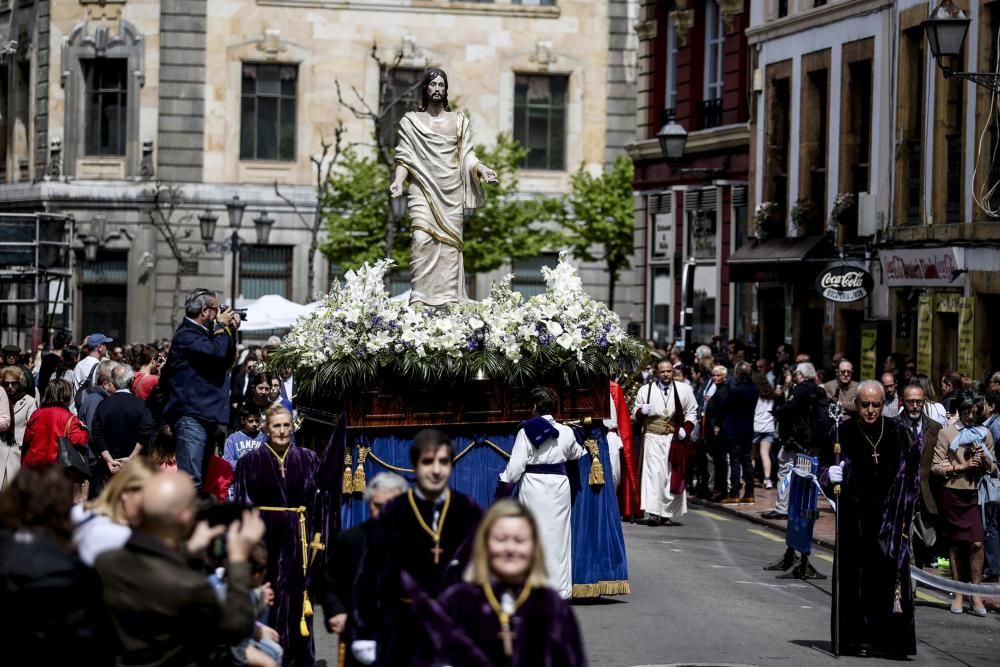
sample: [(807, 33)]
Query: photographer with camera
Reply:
[(196, 377)]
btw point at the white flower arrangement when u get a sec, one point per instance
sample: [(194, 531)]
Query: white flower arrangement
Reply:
[(359, 334), (762, 214)]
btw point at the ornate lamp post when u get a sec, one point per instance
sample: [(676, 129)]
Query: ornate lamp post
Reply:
[(946, 29), (673, 144), (234, 208)]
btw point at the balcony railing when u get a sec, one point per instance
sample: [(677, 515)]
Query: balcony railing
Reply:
[(711, 113)]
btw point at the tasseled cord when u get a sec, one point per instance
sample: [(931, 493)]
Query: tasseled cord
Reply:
[(348, 485), (307, 611), (360, 483), (596, 467)]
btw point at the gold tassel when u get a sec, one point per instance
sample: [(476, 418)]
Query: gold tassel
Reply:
[(596, 467), (360, 483), (307, 611), (348, 486)]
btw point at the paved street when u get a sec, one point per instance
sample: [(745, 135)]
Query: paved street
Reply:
[(699, 595)]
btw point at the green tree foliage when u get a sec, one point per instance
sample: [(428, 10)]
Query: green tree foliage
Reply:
[(357, 205), (599, 216), (507, 227)]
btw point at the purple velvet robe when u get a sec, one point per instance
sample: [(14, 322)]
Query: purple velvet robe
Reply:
[(544, 628), (382, 608), (876, 508), (259, 483)]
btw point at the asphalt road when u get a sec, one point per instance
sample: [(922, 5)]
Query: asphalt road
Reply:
[(700, 597)]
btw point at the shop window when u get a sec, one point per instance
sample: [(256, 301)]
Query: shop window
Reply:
[(540, 119), (265, 270), (267, 116)]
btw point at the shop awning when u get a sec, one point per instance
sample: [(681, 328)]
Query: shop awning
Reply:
[(774, 259)]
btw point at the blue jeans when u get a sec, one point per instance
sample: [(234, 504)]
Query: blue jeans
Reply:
[(191, 435)]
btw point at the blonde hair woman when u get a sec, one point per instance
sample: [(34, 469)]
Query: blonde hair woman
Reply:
[(106, 523), (505, 613)]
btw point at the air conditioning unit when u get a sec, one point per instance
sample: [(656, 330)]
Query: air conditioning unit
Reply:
[(867, 215)]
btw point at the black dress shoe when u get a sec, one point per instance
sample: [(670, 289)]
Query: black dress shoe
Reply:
[(774, 515), (858, 650)]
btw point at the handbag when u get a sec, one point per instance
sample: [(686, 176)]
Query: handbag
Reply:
[(67, 455)]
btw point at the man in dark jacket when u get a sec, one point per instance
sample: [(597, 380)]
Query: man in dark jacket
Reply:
[(122, 426), (346, 553), (794, 417), (715, 418), (162, 611), (737, 431), (196, 376), (924, 431)]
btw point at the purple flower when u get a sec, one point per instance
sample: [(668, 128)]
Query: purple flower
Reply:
[(376, 320), (545, 339), (471, 344), (602, 342)]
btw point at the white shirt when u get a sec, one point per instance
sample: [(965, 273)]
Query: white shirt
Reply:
[(554, 450), (763, 420), (82, 371)]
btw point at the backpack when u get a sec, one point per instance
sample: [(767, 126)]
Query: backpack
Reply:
[(82, 392)]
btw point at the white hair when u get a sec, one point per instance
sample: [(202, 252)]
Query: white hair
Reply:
[(386, 481), (806, 370), (721, 369)]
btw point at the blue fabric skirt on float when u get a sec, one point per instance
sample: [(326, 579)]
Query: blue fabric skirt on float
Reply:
[(599, 562)]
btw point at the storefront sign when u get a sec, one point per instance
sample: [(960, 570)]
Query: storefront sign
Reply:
[(924, 327), (967, 336), (844, 284), (925, 267), (869, 340)]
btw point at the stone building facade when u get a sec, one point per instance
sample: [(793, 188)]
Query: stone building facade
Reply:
[(848, 99), (129, 112)]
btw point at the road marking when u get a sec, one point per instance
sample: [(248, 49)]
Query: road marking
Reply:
[(927, 597), (714, 516), (721, 566), (765, 534), (828, 559), (667, 541), (677, 550)]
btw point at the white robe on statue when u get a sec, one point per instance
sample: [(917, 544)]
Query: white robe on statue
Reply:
[(443, 183), (548, 497), (655, 496)]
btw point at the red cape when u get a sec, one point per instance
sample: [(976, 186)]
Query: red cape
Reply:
[(628, 488)]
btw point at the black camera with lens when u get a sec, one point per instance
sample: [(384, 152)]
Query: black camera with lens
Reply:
[(242, 312)]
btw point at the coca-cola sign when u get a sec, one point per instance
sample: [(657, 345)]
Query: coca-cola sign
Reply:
[(844, 284)]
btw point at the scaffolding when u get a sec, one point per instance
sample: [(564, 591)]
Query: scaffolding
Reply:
[(36, 277)]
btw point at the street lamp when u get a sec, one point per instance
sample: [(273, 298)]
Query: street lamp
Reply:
[(263, 224), (673, 144), (234, 208), (946, 29)]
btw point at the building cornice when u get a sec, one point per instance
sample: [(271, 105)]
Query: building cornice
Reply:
[(813, 18), (425, 7), (699, 141)]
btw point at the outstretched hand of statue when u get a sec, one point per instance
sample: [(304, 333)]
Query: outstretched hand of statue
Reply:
[(486, 173)]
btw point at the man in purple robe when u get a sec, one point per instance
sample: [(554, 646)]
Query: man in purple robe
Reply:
[(427, 533), (879, 477), (280, 480)]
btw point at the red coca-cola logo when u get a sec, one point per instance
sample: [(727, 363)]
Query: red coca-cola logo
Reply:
[(844, 284)]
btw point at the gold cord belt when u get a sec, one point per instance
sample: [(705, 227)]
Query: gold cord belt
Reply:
[(307, 609)]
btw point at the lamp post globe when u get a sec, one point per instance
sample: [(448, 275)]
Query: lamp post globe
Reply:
[(946, 29), (235, 208), (263, 224), (673, 140), (207, 222)]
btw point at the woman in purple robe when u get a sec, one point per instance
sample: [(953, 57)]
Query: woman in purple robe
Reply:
[(280, 481), (504, 614)]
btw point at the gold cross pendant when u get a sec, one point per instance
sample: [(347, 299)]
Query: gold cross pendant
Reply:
[(507, 637), (437, 551)]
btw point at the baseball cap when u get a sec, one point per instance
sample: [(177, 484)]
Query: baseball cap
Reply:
[(95, 339)]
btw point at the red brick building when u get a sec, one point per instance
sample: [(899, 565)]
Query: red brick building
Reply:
[(692, 213)]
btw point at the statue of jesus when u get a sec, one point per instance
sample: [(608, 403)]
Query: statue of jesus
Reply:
[(435, 153)]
